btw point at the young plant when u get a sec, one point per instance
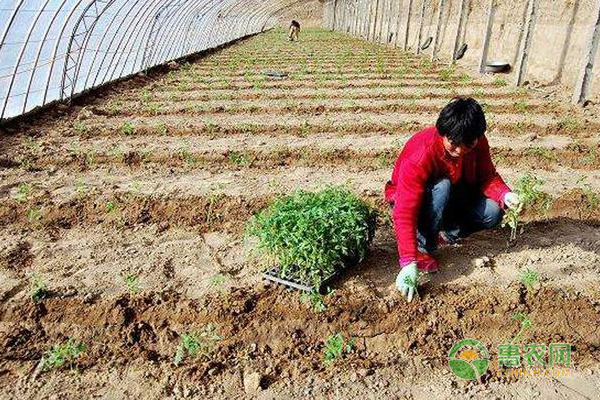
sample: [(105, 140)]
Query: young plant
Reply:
[(39, 289), (531, 195), (81, 128), (526, 324), (110, 206), (529, 278), (217, 281), (521, 106), (316, 300), (447, 73), (196, 344), (61, 355), (128, 129), (34, 215), (81, 188), (23, 192), (500, 82), (592, 199), (240, 159), (185, 154), (335, 348), (413, 283), (309, 235), (511, 219), (132, 283)]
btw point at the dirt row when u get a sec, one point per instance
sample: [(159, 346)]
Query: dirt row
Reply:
[(497, 93), (213, 212), (271, 332), (576, 156), (311, 108)]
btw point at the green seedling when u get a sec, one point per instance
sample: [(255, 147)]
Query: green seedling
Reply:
[(521, 106), (212, 200), (447, 73), (238, 158), (145, 96), (592, 199), (464, 77), (335, 348), (61, 355), (39, 289), (526, 324), (511, 219), (185, 154), (217, 281), (316, 300), (81, 188), (132, 284), (529, 278), (570, 124), (110, 206), (33, 146), (117, 153), (196, 344), (23, 192), (128, 129), (81, 128), (154, 108), (500, 82), (531, 195), (310, 234), (162, 128), (34, 215)]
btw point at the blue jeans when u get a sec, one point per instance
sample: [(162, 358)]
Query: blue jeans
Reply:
[(457, 210)]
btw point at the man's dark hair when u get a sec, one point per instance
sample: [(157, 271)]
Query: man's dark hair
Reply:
[(462, 121)]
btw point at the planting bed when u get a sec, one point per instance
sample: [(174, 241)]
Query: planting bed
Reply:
[(131, 206)]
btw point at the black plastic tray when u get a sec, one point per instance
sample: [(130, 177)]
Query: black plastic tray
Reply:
[(274, 276)]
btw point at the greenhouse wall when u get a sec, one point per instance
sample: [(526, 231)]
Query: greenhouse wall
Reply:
[(561, 31)]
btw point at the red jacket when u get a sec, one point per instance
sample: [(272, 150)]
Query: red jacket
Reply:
[(424, 159)]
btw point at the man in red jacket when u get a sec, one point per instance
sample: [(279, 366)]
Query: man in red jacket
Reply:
[(444, 187)]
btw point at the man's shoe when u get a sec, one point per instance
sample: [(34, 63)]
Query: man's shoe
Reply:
[(427, 263)]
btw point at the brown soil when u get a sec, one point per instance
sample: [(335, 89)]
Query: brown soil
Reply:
[(157, 176), (270, 331)]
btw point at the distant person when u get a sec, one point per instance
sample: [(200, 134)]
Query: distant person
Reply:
[(444, 187), (294, 30)]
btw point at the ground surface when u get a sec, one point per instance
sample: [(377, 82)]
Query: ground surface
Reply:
[(159, 176)]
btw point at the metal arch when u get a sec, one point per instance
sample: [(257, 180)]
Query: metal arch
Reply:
[(167, 23), (132, 10), (145, 13), (149, 49), (76, 47), (11, 20), (62, 31), (137, 54), (174, 28), (169, 28), (189, 15), (138, 38), (20, 57), (198, 17), (39, 53), (107, 29)]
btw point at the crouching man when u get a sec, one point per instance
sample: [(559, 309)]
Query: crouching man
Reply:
[(444, 187), (294, 31)]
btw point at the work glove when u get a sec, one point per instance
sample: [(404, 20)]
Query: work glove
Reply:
[(407, 280), (513, 201)]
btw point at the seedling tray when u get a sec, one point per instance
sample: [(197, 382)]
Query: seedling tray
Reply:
[(276, 74), (296, 283)]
